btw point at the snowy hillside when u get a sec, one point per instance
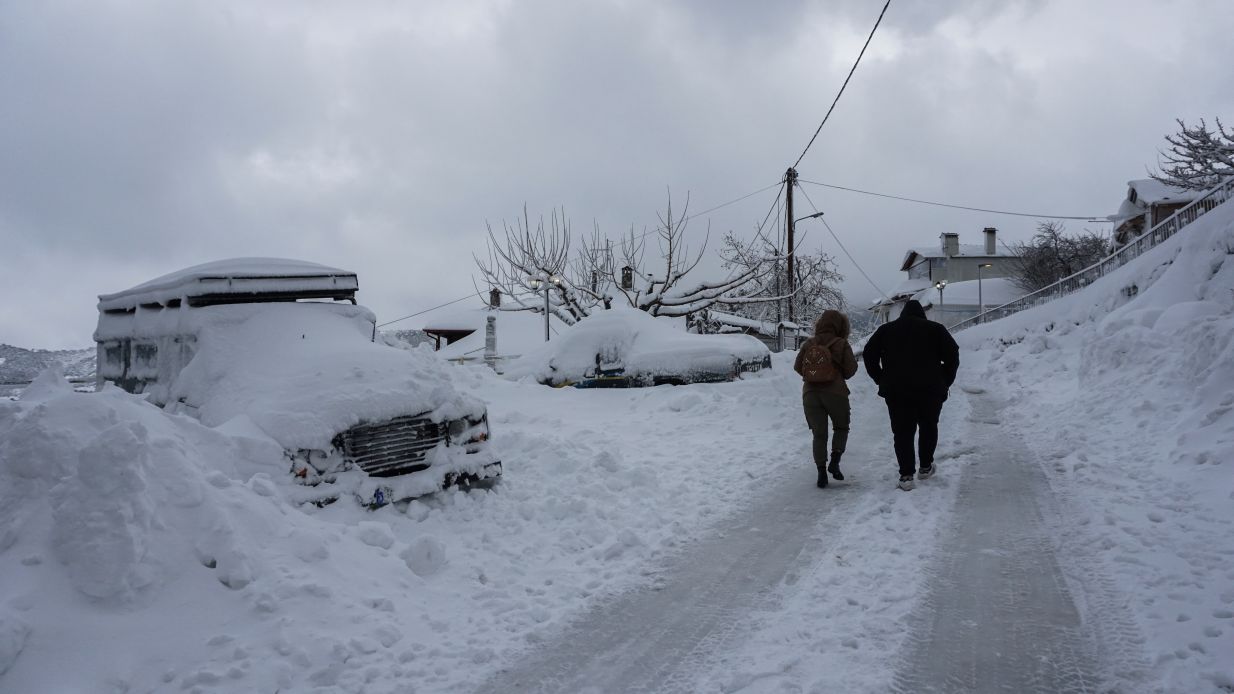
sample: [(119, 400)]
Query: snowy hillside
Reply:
[(1126, 392), (20, 365)]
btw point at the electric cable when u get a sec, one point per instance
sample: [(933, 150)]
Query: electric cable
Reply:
[(846, 79), (841, 245), (1090, 218), (419, 313)]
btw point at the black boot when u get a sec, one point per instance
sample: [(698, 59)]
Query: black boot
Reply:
[(834, 466), (822, 477)]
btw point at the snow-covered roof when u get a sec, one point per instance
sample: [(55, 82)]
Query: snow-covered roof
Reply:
[(517, 332), (236, 278), (1144, 192), (1150, 192), (972, 250)]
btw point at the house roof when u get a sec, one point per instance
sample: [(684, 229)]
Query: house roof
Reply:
[(970, 250), (1144, 192), (1151, 192), (238, 277)]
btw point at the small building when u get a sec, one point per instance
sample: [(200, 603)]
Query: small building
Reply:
[(776, 336), (949, 261), (1148, 203)]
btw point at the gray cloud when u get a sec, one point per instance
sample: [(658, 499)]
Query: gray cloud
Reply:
[(137, 138)]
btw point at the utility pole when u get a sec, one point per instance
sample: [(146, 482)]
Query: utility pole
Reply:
[(790, 180)]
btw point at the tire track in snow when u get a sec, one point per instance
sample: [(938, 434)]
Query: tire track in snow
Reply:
[(998, 616), (653, 640)]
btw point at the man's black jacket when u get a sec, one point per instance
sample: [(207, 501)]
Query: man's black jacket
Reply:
[(912, 357)]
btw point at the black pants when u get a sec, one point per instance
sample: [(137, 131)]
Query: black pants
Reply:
[(909, 416)]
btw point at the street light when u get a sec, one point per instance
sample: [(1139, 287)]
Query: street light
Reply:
[(940, 286), (980, 300), (535, 283), (792, 279)]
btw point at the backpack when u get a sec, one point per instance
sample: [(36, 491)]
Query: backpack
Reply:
[(818, 364)]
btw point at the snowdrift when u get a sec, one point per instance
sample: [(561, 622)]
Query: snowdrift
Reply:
[(640, 349), (1127, 390)]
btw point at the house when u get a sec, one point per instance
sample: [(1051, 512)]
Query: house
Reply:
[(460, 333), (952, 262), (1148, 203)]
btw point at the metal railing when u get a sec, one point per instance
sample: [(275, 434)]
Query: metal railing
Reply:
[(1133, 249)]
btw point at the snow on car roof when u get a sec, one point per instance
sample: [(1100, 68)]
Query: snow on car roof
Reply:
[(641, 343), (236, 277), (304, 372)]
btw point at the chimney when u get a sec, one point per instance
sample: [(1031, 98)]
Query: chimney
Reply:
[(951, 243), (991, 247)]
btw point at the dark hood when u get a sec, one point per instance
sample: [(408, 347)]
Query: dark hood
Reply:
[(913, 309)]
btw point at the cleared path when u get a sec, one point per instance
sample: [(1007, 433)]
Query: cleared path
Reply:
[(654, 639), (998, 616)]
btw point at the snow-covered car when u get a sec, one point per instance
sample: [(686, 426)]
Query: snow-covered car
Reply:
[(282, 346), (625, 347)]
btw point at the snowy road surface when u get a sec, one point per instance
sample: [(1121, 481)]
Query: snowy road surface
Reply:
[(997, 615), (652, 640), (989, 610)]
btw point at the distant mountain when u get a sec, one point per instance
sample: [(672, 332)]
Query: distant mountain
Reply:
[(21, 365)]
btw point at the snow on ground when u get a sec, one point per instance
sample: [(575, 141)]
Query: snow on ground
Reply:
[(163, 556), (163, 552), (1126, 393)]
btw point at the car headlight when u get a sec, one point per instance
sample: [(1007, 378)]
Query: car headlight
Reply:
[(466, 430)]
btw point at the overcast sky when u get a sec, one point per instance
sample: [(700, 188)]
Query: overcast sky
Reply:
[(137, 138)]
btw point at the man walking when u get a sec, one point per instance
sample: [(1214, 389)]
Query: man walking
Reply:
[(914, 362)]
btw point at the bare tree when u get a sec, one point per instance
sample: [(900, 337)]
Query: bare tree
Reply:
[(1052, 254), (1198, 158), (591, 274), (541, 256), (764, 298)]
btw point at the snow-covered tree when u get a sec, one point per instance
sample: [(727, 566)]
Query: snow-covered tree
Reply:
[(1052, 254), (1198, 158), (589, 276), (815, 290)]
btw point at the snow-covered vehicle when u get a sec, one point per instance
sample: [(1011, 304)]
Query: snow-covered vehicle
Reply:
[(625, 347), (282, 345)]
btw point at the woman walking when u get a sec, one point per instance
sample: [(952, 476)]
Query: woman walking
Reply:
[(825, 362)]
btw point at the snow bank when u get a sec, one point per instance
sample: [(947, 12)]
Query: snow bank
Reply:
[(1128, 389), (305, 372), (166, 555), (642, 345)]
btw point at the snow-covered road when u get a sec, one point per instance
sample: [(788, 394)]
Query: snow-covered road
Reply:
[(997, 615), (794, 587), (957, 587)]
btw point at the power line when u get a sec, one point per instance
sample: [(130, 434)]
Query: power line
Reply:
[(846, 79), (730, 202), (841, 245), (419, 313), (1089, 218)]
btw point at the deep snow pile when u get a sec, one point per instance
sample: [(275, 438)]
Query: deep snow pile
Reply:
[(1126, 391), (165, 555)]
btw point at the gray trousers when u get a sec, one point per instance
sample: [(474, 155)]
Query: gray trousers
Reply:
[(819, 407)]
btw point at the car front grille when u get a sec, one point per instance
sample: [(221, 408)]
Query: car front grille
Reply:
[(393, 447)]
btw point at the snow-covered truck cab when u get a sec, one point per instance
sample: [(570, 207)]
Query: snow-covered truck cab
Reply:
[(283, 345)]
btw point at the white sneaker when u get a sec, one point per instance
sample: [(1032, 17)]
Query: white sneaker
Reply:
[(906, 482), (926, 473)]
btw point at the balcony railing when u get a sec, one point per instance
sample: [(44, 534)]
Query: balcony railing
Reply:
[(1159, 233)]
